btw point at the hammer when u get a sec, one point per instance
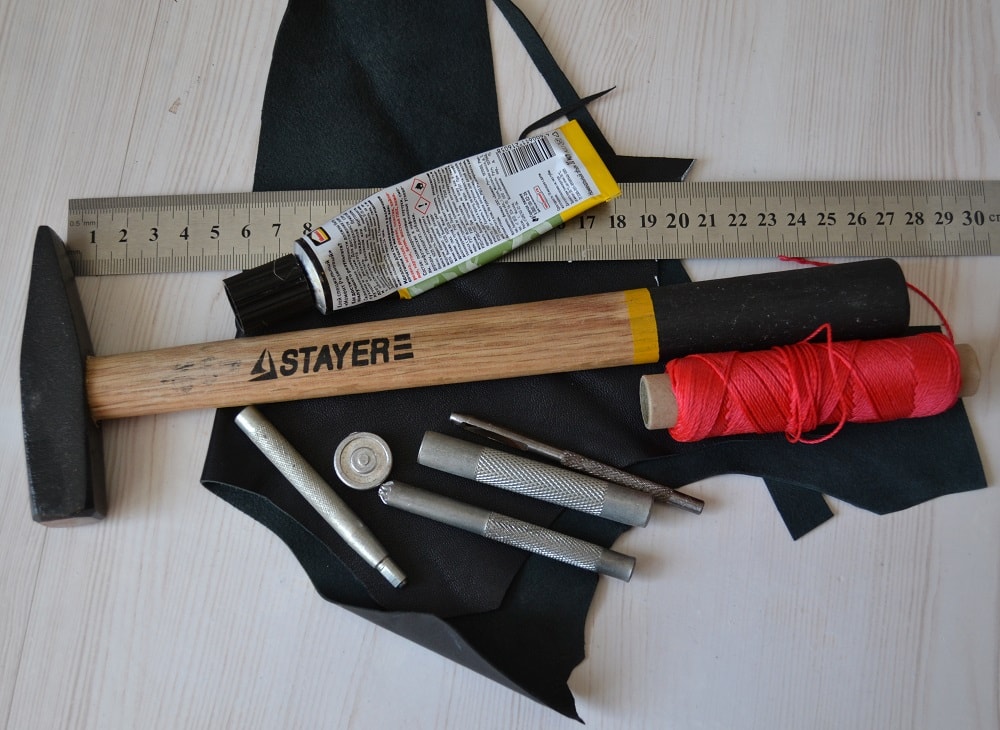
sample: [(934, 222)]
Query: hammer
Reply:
[(66, 391)]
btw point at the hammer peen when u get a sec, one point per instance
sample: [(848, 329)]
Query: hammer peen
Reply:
[(66, 390)]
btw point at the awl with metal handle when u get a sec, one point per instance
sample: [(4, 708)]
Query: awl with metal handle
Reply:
[(578, 462)]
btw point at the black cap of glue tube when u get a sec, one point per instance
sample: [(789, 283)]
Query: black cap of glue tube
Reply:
[(269, 293)]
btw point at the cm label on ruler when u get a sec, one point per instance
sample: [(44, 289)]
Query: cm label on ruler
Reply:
[(649, 220)]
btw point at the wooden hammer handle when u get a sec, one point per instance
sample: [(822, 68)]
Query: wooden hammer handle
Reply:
[(596, 331)]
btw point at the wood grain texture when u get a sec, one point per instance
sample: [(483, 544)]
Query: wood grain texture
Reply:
[(490, 343), (178, 611)]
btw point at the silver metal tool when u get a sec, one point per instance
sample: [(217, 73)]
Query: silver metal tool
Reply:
[(320, 495), (362, 460), (535, 479), (578, 462), (508, 530)]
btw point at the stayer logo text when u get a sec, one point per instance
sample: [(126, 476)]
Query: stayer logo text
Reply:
[(333, 356)]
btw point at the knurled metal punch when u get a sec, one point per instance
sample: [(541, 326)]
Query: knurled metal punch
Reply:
[(508, 530), (535, 479), (578, 462)]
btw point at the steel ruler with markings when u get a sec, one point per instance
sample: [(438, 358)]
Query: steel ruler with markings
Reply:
[(227, 232)]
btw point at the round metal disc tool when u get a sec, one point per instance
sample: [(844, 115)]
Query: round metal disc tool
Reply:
[(362, 460)]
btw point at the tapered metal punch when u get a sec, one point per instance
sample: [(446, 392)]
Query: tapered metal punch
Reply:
[(578, 462), (508, 530), (308, 482)]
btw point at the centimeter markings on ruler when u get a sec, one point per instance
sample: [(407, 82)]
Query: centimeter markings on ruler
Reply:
[(227, 232)]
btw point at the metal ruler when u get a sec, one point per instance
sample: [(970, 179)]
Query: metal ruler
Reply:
[(228, 232)]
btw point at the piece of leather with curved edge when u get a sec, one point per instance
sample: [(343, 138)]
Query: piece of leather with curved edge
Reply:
[(363, 95)]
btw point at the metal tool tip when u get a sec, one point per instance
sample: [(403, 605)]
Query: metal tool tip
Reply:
[(391, 572), (686, 502), (384, 490), (616, 565)]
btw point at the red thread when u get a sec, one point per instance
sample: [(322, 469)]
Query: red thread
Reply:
[(797, 388), (937, 310)]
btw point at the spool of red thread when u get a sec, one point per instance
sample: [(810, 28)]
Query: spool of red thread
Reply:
[(798, 388)]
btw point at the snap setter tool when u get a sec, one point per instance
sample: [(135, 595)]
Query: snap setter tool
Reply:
[(362, 460), (66, 390)]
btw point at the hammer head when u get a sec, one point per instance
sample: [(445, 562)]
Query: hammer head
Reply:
[(61, 441)]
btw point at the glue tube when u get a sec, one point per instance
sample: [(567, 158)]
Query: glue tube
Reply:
[(428, 229)]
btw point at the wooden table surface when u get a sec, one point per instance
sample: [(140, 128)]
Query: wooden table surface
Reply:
[(179, 611)]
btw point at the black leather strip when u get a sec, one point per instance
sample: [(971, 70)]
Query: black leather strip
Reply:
[(623, 168)]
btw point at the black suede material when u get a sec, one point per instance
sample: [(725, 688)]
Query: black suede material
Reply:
[(475, 601), (364, 95)]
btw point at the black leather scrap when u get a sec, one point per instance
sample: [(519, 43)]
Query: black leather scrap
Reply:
[(475, 601), (365, 94)]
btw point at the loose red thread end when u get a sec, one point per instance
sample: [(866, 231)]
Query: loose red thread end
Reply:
[(803, 261), (937, 310)]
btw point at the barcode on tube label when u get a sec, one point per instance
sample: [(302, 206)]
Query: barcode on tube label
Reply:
[(523, 155)]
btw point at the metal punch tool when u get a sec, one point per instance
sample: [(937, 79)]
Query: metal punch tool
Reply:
[(318, 493), (508, 530), (535, 479), (578, 462)]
